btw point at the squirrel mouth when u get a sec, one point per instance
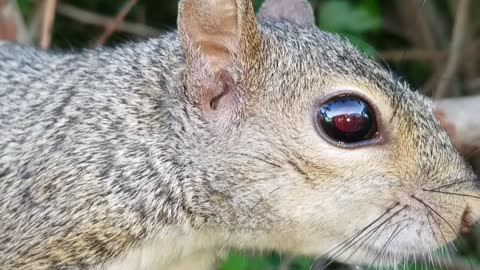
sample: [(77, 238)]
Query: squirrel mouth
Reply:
[(467, 221)]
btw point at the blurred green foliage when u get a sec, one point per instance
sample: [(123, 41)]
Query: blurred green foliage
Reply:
[(360, 21), (240, 261), (351, 20)]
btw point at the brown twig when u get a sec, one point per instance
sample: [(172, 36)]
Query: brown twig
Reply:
[(110, 28), (414, 54), (91, 18), (419, 54), (456, 48), (47, 23), (415, 23)]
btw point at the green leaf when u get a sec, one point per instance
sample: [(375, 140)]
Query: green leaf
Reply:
[(302, 263), (342, 17), (235, 262), (257, 4), (26, 8), (260, 263)]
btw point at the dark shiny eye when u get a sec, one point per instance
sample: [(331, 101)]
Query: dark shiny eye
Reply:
[(347, 119)]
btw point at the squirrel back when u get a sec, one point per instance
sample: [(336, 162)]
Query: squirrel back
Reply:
[(219, 134)]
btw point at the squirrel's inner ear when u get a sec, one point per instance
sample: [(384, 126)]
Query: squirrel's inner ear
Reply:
[(296, 11), (220, 38)]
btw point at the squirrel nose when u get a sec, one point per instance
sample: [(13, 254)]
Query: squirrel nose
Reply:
[(467, 221)]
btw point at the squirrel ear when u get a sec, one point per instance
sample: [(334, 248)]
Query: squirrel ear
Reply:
[(296, 11), (220, 39)]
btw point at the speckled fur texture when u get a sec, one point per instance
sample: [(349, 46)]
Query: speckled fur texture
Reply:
[(115, 158)]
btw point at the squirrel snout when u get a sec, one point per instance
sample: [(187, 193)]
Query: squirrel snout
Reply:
[(461, 216), (467, 221)]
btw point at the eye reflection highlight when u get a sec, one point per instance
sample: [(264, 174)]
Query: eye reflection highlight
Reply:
[(347, 119)]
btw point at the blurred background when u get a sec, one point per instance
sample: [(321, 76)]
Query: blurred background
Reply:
[(434, 44)]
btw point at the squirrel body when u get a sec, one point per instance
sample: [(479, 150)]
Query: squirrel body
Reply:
[(163, 154)]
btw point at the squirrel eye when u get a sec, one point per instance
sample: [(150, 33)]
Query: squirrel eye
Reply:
[(347, 120)]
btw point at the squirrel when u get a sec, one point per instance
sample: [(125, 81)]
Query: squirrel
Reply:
[(234, 131)]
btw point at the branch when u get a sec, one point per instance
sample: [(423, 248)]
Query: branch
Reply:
[(414, 54), (456, 48), (47, 23), (415, 23), (460, 118), (91, 18), (110, 28), (419, 54)]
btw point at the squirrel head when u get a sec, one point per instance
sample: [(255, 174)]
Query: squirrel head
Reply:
[(315, 148)]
